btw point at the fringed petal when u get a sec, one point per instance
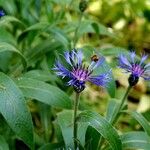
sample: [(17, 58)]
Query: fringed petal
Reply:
[(100, 80), (61, 70)]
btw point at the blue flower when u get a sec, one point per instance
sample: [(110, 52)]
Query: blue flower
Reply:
[(2, 13), (137, 68), (77, 73)]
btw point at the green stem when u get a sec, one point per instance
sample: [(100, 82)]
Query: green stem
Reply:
[(76, 31), (75, 125), (124, 98)]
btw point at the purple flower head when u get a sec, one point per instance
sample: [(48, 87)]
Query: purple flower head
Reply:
[(137, 68), (2, 13), (77, 73)]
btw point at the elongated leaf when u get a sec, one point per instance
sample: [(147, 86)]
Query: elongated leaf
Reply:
[(143, 122), (41, 26), (65, 121), (44, 92), (40, 75), (92, 138), (135, 140), (3, 144), (14, 110), (5, 47), (8, 19), (112, 110), (60, 36), (103, 127)]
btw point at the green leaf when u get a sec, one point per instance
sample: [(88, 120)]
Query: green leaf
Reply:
[(112, 110), (14, 110), (92, 138), (103, 127), (135, 140), (8, 19), (60, 36), (41, 26), (52, 146), (65, 121), (5, 47), (143, 122), (40, 75), (44, 92), (113, 51), (3, 144), (89, 26)]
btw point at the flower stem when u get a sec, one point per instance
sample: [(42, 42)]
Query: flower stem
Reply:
[(124, 98), (76, 31), (75, 125)]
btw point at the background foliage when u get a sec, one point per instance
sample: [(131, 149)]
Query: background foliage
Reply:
[(32, 35)]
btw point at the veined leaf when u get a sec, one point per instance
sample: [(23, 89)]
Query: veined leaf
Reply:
[(65, 121), (135, 140), (44, 92), (5, 47), (112, 110), (14, 110), (103, 127)]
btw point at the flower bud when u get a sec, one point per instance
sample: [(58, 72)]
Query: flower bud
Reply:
[(83, 5), (133, 80)]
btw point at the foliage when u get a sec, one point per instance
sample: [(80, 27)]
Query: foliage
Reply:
[(36, 106)]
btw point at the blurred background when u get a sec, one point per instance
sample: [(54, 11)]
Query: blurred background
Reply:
[(42, 29)]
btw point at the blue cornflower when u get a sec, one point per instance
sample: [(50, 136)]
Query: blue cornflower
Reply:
[(77, 73), (137, 68), (2, 13)]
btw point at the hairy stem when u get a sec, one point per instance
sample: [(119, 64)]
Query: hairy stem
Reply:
[(75, 125)]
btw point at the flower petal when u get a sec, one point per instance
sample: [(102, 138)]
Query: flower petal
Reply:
[(146, 76), (67, 57), (61, 70), (100, 80), (144, 57), (124, 63), (132, 55)]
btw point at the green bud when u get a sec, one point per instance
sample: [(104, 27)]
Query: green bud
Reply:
[(83, 5)]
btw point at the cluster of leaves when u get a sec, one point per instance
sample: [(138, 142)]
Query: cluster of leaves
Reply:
[(32, 34)]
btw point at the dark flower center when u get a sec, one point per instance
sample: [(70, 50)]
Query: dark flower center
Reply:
[(133, 80), (79, 86)]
